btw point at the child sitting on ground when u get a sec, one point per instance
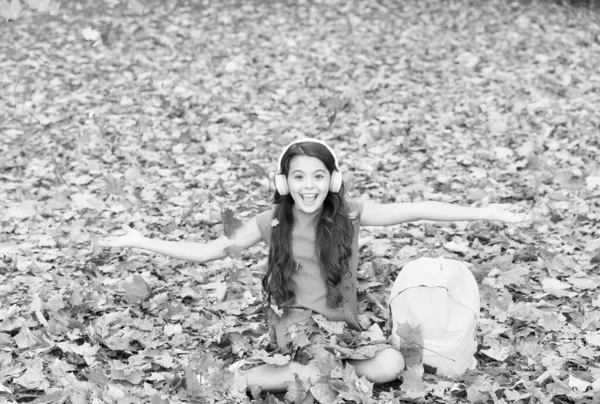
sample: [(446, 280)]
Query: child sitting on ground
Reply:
[(312, 234)]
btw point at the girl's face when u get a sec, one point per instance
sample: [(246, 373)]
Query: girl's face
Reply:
[(308, 180)]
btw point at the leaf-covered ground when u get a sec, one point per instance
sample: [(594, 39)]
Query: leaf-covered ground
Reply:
[(161, 115)]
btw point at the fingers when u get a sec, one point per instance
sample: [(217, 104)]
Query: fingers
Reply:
[(520, 218), (117, 240), (108, 242), (506, 214), (102, 242)]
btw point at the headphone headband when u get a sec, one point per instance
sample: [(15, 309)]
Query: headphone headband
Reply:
[(307, 140)]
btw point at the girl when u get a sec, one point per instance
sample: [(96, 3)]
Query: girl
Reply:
[(312, 234)]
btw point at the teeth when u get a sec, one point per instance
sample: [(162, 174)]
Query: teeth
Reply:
[(309, 198)]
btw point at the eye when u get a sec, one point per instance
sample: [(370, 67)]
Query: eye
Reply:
[(297, 177), (320, 176)]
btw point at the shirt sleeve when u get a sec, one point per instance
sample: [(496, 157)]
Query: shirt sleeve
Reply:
[(264, 225), (355, 209)]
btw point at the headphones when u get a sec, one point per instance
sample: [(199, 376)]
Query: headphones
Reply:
[(336, 176)]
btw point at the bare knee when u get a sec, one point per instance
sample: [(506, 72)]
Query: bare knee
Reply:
[(383, 368), (277, 378), (391, 363)]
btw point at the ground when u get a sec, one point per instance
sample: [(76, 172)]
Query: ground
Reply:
[(169, 116)]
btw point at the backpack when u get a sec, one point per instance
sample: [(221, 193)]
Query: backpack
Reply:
[(442, 297)]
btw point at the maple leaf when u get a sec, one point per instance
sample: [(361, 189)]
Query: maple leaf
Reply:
[(90, 34), (12, 10), (172, 329), (44, 5), (32, 379), (24, 339), (259, 171), (86, 350), (220, 289), (412, 383), (275, 359), (461, 246), (332, 327), (497, 351), (4, 389), (298, 391), (230, 222), (137, 6), (202, 373), (323, 393), (331, 118), (353, 388), (24, 210), (233, 251), (136, 289), (478, 391), (515, 276), (37, 307), (239, 345), (133, 376), (411, 343)]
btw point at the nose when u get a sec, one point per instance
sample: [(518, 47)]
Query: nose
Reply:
[(309, 183)]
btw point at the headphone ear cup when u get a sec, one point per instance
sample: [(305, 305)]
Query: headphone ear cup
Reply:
[(281, 184), (336, 181)]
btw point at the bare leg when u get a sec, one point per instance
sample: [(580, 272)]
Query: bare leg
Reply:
[(277, 378), (382, 368)]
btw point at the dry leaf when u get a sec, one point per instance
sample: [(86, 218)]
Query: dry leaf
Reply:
[(136, 289), (411, 344)]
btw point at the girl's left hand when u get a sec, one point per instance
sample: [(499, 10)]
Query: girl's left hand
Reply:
[(501, 213)]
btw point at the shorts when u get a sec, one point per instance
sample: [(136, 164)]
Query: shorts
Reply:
[(296, 332)]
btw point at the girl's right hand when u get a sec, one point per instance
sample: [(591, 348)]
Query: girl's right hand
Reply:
[(131, 238)]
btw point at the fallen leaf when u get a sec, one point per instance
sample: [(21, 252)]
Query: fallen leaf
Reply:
[(512, 395), (515, 276), (220, 289), (593, 338), (274, 359), (137, 6), (230, 222), (458, 246), (11, 11), (133, 376), (497, 352), (87, 351), (90, 34), (136, 289), (324, 394), (352, 388), (592, 182), (580, 385), (172, 329), (332, 327), (413, 385), (32, 379), (298, 390), (24, 210), (24, 339), (411, 343), (582, 283)]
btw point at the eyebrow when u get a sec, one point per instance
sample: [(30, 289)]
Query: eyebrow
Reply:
[(301, 171)]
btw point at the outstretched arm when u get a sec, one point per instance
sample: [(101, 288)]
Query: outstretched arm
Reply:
[(247, 235), (376, 214)]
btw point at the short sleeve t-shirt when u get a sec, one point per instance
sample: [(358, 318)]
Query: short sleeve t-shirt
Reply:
[(311, 290)]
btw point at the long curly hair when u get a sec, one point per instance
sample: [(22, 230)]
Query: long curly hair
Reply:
[(333, 236)]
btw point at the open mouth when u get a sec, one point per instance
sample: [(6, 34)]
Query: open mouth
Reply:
[(309, 198)]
